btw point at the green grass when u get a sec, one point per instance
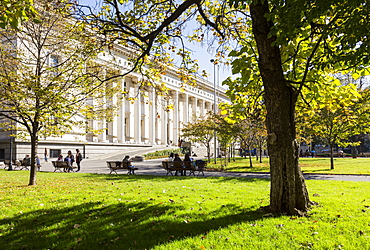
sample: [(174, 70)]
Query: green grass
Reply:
[(308, 165), (90, 211)]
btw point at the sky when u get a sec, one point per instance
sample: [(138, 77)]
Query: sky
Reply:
[(204, 56), (201, 53)]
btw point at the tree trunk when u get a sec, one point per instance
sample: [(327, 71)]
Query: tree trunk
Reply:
[(331, 156), (34, 146), (260, 149), (208, 152), (354, 152), (250, 158), (288, 194)]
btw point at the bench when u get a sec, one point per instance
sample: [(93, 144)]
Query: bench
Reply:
[(25, 165), (16, 164), (119, 165), (171, 166), (7, 164), (187, 166), (199, 167), (59, 165)]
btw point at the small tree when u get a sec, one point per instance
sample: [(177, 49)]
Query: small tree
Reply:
[(226, 132), (201, 130), (337, 113), (48, 80), (247, 112)]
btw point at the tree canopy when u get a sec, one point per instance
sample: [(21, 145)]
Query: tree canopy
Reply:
[(14, 12), (50, 78), (334, 114)]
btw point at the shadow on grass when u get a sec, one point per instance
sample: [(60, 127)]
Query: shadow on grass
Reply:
[(131, 225)]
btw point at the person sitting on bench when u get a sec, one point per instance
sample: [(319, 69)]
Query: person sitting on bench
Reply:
[(127, 159)]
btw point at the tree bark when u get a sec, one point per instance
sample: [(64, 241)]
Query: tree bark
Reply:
[(288, 194), (332, 156), (250, 157), (33, 171)]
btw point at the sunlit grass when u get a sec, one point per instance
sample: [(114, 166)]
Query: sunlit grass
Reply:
[(308, 165), (89, 211)]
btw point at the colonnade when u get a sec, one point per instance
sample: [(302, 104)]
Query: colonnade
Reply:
[(147, 118)]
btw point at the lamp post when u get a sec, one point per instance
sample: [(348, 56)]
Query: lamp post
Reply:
[(214, 108)]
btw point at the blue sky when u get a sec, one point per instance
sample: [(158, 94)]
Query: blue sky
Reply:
[(201, 53)]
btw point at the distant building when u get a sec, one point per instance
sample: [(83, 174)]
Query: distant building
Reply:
[(141, 123)]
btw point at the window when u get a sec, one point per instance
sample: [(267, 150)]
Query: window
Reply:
[(54, 153), (54, 61), (2, 153)]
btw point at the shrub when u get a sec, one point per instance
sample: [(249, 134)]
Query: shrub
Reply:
[(162, 153)]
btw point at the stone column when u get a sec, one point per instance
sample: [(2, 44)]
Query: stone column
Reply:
[(113, 128), (186, 109), (153, 127), (121, 117), (137, 117), (176, 119), (147, 129), (201, 107), (131, 112)]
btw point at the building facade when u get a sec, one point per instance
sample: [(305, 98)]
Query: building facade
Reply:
[(143, 118)]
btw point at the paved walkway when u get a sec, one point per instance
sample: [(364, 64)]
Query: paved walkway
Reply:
[(153, 167)]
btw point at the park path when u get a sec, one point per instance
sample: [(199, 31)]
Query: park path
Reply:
[(153, 167)]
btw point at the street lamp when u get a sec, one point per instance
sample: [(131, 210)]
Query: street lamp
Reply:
[(214, 107)]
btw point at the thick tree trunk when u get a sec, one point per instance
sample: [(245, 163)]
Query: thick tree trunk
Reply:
[(288, 193)]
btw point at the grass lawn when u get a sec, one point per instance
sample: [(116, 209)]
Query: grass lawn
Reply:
[(90, 211), (309, 165)]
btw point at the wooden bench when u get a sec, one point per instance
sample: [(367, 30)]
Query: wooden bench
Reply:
[(187, 166), (7, 164), (59, 165), (119, 165), (171, 166), (25, 165), (16, 164), (198, 167)]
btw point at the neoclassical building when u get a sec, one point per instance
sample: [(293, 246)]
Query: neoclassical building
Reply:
[(143, 122)]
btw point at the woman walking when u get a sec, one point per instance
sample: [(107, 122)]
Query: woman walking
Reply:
[(78, 159)]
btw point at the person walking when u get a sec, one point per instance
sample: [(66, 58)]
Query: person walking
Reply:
[(38, 163), (78, 159), (46, 155)]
